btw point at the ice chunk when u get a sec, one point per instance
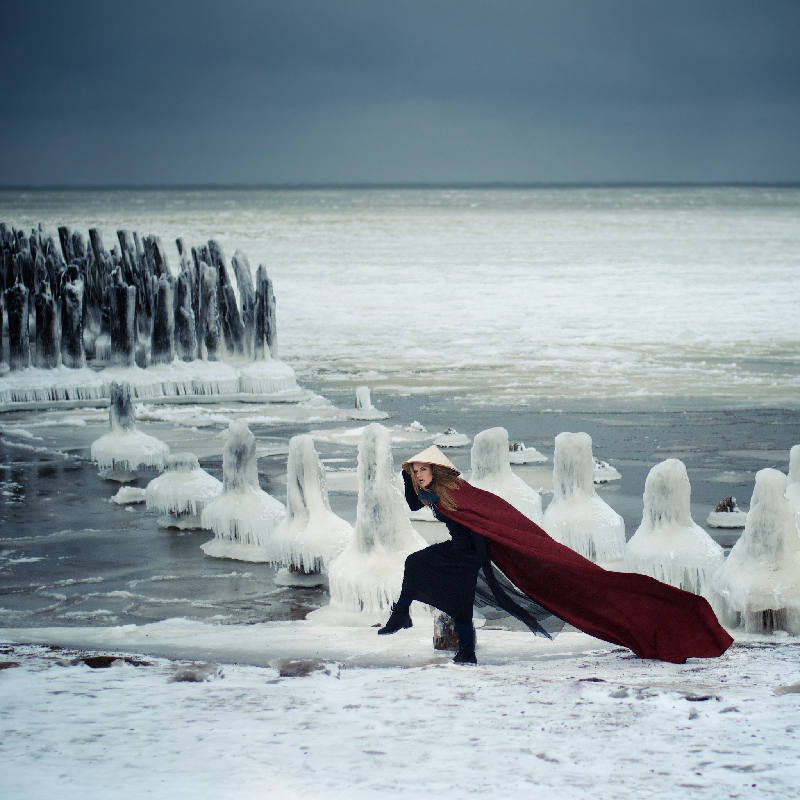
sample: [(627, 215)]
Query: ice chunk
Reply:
[(364, 408), (668, 545), (793, 481), (311, 535), (492, 472), (183, 491), (244, 516), (576, 516), (125, 449), (727, 515), (450, 437), (519, 454), (366, 578), (127, 495), (604, 472), (760, 580)]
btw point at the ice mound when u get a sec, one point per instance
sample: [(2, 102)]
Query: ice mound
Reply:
[(727, 515), (128, 495), (244, 516), (271, 377), (576, 516), (793, 481), (450, 437), (604, 472), (759, 582), (364, 408), (310, 535), (668, 545), (366, 578), (182, 492), (124, 449), (491, 472), (519, 454)]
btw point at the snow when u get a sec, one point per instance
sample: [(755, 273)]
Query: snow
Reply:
[(760, 580), (509, 728), (669, 545), (364, 408), (519, 454), (183, 490), (243, 516), (793, 480), (491, 472), (310, 535), (576, 516), (366, 578)]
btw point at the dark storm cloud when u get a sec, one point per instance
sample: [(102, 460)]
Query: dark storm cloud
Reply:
[(299, 92)]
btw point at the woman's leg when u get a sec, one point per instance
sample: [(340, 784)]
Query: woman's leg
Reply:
[(466, 643)]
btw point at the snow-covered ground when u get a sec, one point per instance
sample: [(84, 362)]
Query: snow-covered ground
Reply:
[(571, 719)]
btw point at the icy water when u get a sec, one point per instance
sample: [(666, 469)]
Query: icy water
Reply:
[(661, 321)]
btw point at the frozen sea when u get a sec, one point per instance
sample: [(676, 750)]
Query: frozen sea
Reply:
[(662, 321)]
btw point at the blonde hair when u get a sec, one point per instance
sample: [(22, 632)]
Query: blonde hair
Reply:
[(444, 480)]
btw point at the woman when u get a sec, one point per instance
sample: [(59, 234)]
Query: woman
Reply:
[(498, 557)]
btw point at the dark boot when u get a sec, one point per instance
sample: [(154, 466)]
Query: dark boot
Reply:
[(399, 618), (464, 656)]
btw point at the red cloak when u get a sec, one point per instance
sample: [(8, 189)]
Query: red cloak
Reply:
[(651, 618)]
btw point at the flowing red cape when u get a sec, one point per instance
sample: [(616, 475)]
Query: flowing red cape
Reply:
[(651, 618)]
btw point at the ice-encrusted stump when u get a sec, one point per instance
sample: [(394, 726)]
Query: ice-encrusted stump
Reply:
[(365, 579), (727, 515), (182, 492), (247, 300), (121, 452), (162, 349), (19, 348), (492, 472), (793, 481), (519, 454), (185, 333), (311, 535), (122, 320), (208, 323), (450, 437), (668, 545), (759, 583), (73, 354), (244, 516), (576, 516), (48, 330), (364, 408)]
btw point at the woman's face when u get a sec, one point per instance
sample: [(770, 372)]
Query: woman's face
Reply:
[(423, 473)]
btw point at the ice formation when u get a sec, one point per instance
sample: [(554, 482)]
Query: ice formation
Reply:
[(519, 454), (492, 472), (604, 472), (182, 492), (668, 545), (576, 516), (124, 449), (450, 437), (244, 516), (128, 495), (364, 408), (793, 481), (366, 578), (310, 535), (727, 515), (759, 583)]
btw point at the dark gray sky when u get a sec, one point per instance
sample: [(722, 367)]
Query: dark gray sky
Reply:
[(156, 92)]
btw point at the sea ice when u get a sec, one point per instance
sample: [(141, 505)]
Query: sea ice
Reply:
[(759, 582), (125, 449), (364, 408), (128, 495), (492, 472), (366, 578), (576, 516), (519, 454), (668, 545), (604, 472), (727, 515), (182, 492), (310, 535), (450, 437), (244, 516)]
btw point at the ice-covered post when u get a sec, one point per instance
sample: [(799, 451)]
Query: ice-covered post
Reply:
[(668, 545), (120, 411), (230, 320), (247, 300), (122, 305), (760, 580), (793, 481), (209, 324), (19, 345), (576, 516), (48, 336), (163, 323), (266, 340), (185, 331), (492, 472), (73, 353)]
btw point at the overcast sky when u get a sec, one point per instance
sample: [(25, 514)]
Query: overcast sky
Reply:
[(155, 92)]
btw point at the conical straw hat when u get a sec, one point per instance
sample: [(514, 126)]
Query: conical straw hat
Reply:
[(433, 455)]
